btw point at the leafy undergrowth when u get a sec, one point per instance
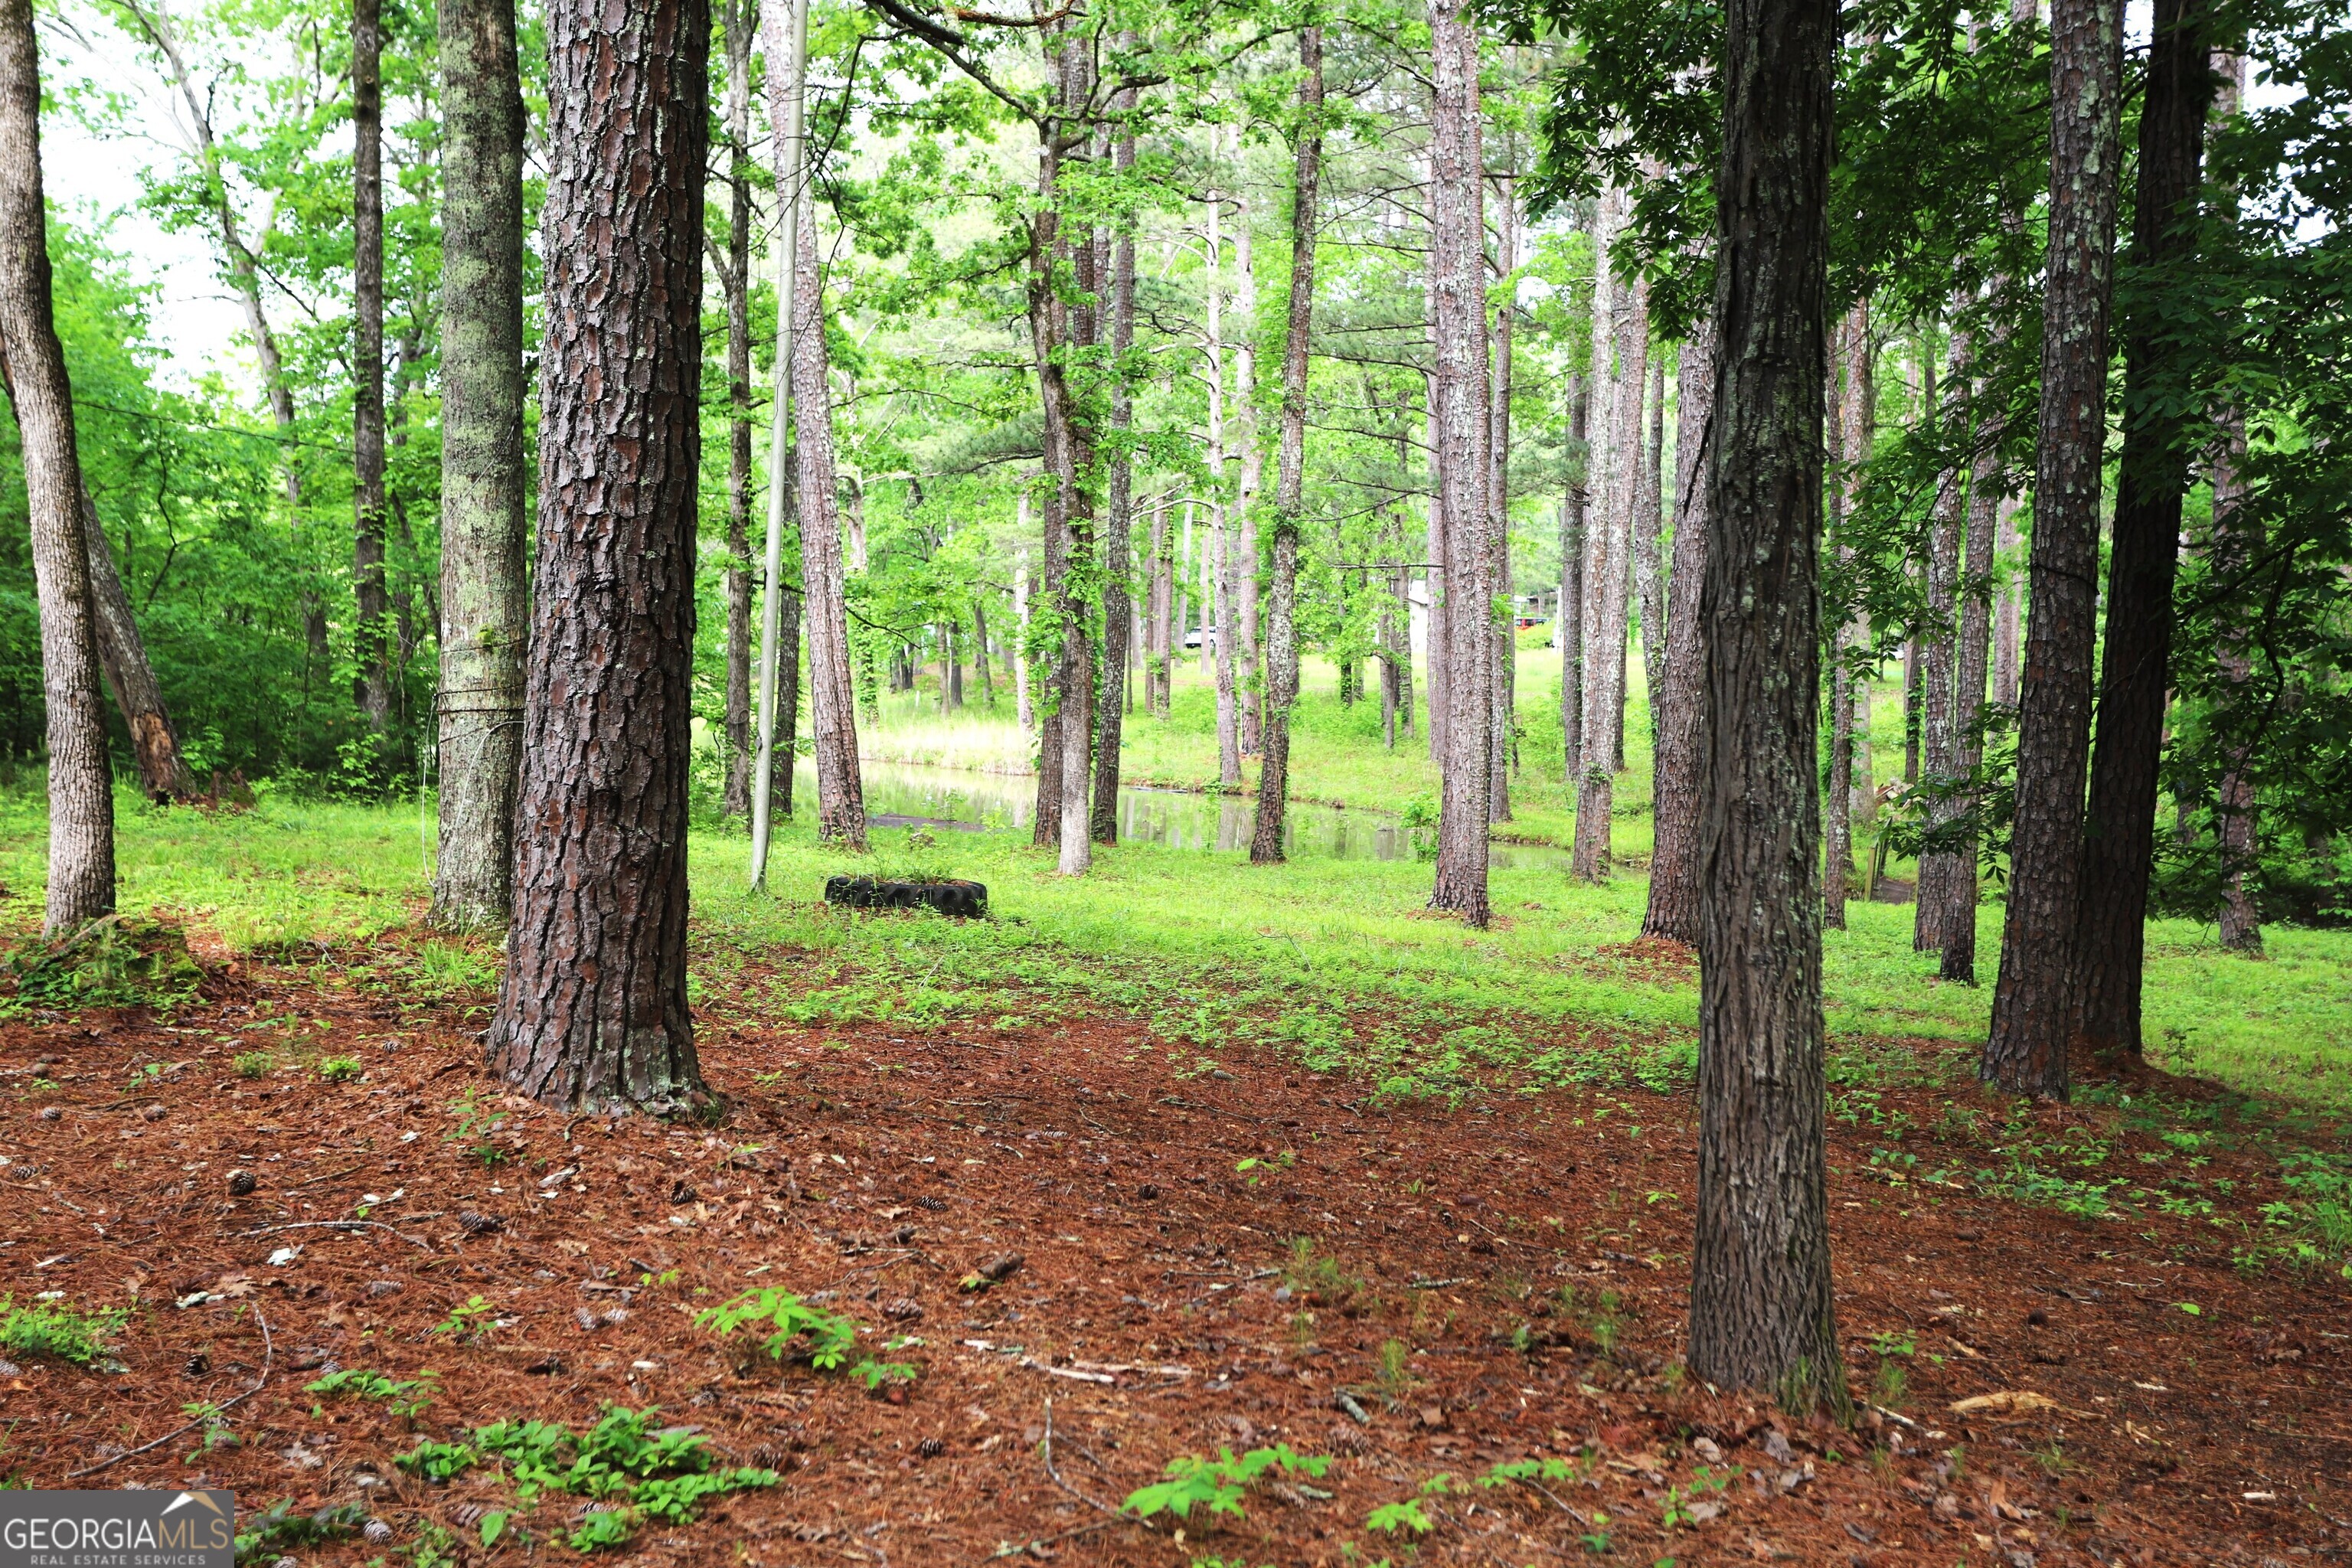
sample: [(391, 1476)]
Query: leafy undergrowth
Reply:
[(1470, 1319)]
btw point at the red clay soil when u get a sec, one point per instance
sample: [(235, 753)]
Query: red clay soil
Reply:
[(878, 1167)]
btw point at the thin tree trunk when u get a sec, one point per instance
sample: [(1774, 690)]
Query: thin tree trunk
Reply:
[(739, 24), (1217, 601), (979, 655), (2237, 540), (1568, 620), (2005, 617), (1458, 229), (1649, 582), (1608, 578), (593, 1010), (2033, 1005), (1959, 917), (1851, 791), (1291, 462), (81, 785), (1022, 708), (1678, 700), (164, 774), (1157, 654), (1249, 683), (1119, 611), (370, 646), (2152, 478), (1434, 586), (1180, 575), (1938, 641), (485, 598), (1504, 635), (1761, 1315), (833, 696)]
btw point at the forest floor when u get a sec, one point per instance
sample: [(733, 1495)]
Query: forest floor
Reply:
[(1215, 1252)]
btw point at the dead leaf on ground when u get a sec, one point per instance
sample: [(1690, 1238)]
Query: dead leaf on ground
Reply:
[(2003, 1401)]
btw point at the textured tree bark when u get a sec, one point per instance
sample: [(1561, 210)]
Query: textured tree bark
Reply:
[(2005, 616), (485, 599), (371, 644), (1505, 636), (2237, 537), (1985, 501), (1291, 462), (1761, 1314), (1217, 603), (164, 774), (833, 696), (1434, 585), (1609, 570), (1249, 677), (1837, 831), (1159, 607), (2033, 1005), (592, 1009), (1649, 580), (1679, 697), (1022, 706), (1937, 642), (82, 786), (739, 22), (1568, 619), (2152, 478), (1118, 610), (1458, 229)]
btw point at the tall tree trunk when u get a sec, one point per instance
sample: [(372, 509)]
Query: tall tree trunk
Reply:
[(593, 1010), (1568, 620), (1119, 611), (2033, 1003), (2151, 479), (1960, 918), (1504, 638), (1180, 581), (1291, 462), (1023, 705), (1851, 790), (485, 600), (1249, 681), (1434, 585), (1068, 454), (979, 655), (1217, 599), (164, 774), (1678, 700), (1760, 1299), (1609, 575), (2005, 613), (1458, 228), (1649, 580), (1157, 604), (371, 645), (1938, 641), (2237, 538), (739, 24), (81, 785), (832, 695)]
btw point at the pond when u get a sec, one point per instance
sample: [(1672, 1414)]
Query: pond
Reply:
[(900, 794)]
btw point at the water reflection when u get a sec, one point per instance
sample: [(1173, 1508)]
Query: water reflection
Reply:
[(900, 794)]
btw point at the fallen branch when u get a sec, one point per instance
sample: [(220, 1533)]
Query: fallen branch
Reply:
[(1052, 1371), (269, 1355)]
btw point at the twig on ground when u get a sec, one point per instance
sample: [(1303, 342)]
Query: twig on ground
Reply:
[(341, 1225), (1117, 1514), (268, 1355)]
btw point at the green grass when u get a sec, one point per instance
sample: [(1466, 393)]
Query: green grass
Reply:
[(1338, 959), (57, 1331)]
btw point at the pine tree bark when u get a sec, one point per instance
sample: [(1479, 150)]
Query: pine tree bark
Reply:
[(1505, 639), (2005, 612), (1609, 570), (1679, 697), (81, 785), (485, 600), (1985, 501), (739, 22), (1458, 229), (1117, 605), (832, 695), (1249, 669), (1938, 644), (1761, 1314), (1850, 785), (592, 1009), (371, 642), (2033, 1005), (1649, 580), (1435, 587), (1568, 627), (1291, 462), (2152, 479)]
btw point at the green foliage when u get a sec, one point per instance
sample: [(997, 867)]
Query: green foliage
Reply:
[(1390, 1517), (406, 1397), (1217, 1484), (467, 1321), (340, 1070), (280, 1526), (824, 1339), (115, 960), (253, 1064), (633, 1471), (62, 1332)]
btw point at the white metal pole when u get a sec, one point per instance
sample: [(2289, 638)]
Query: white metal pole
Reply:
[(789, 157)]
